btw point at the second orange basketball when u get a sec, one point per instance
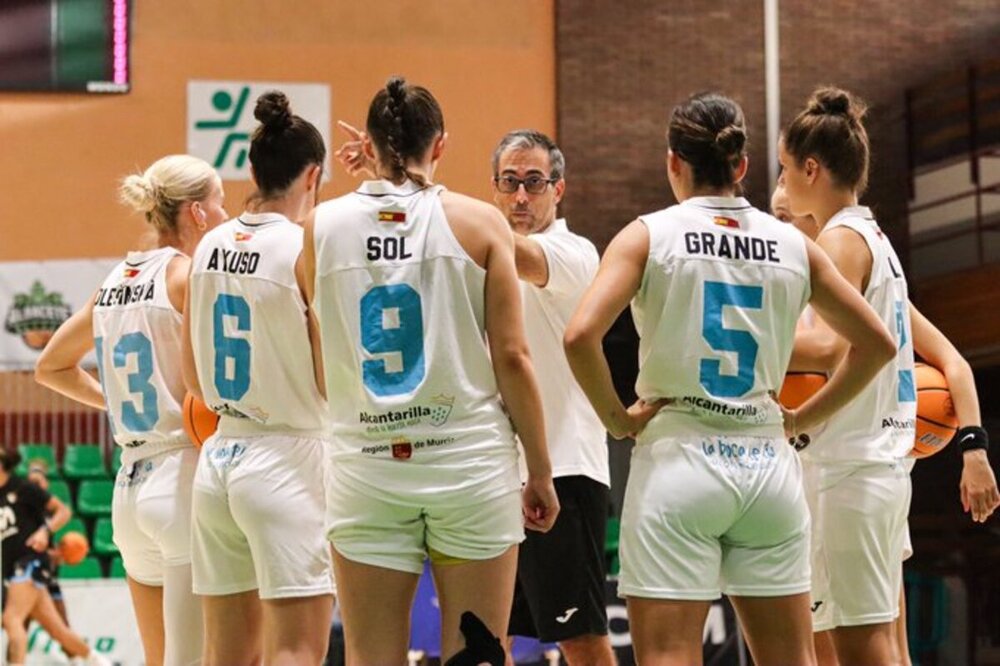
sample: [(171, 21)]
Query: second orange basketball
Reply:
[(200, 422), (799, 387), (936, 418)]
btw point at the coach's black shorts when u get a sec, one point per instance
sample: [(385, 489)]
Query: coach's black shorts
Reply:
[(560, 575)]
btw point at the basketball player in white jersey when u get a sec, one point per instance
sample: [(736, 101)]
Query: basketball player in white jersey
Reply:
[(134, 323), (419, 312), (861, 452), (559, 595), (714, 500), (261, 561)]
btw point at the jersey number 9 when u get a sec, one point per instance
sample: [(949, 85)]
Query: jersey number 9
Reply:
[(392, 325)]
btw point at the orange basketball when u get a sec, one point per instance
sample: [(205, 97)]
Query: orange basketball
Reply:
[(200, 422), (799, 387), (936, 418), (73, 547)]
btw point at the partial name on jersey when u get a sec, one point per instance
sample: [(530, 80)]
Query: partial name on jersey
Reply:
[(237, 262), (125, 294), (726, 246)]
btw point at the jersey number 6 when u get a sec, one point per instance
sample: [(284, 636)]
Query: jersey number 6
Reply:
[(232, 354)]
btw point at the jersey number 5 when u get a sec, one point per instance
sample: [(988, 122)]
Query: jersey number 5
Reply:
[(717, 296)]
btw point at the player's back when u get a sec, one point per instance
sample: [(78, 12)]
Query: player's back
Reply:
[(249, 331), (137, 340), (878, 425), (401, 308), (716, 314)]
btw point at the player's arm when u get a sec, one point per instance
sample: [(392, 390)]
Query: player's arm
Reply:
[(618, 279), (532, 264), (188, 366), (514, 371), (58, 514), (305, 274), (978, 487), (869, 344), (58, 367), (820, 349)]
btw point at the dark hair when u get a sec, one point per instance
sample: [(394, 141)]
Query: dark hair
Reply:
[(9, 459), (283, 145), (527, 139), (708, 132), (403, 121), (830, 130)]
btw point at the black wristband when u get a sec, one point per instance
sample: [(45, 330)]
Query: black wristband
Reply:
[(971, 438)]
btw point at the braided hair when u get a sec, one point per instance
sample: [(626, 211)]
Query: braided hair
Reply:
[(403, 122)]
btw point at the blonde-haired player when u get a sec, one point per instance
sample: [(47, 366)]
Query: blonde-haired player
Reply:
[(134, 322)]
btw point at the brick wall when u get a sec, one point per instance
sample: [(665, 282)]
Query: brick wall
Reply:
[(622, 66)]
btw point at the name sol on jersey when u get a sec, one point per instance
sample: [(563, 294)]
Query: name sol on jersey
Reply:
[(387, 247)]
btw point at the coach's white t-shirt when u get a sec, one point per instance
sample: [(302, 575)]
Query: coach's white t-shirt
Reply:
[(576, 437)]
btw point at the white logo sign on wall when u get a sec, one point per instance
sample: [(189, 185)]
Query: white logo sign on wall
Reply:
[(220, 119)]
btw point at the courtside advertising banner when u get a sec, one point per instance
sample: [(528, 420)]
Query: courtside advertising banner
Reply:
[(37, 297), (100, 611)]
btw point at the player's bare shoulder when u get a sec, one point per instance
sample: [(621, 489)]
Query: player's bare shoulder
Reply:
[(477, 225)]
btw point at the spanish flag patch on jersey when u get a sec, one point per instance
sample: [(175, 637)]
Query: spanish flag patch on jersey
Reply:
[(131, 272), (727, 222), (243, 236), (392, 215)]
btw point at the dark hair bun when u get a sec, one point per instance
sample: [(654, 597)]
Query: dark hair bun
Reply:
[(273, 110), (836, 102), (731, 139)]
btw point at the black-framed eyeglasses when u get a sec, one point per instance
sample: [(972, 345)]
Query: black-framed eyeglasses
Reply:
[(532, 184)]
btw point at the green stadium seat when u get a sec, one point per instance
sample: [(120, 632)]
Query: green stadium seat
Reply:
[(103, 542), (117, 568), (88, 568), (74, 525), (59, 488), (93, 497), (84, 461), (42, 452), (116, 460)]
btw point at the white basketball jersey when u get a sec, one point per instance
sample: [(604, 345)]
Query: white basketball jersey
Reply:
[(137, 340), (412, 395), (249, 328), (878, 425), (716, 311)]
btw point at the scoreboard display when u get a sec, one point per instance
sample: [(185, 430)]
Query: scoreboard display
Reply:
[(64, 45)]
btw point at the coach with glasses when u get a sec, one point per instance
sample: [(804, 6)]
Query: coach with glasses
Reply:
[(559, 595)]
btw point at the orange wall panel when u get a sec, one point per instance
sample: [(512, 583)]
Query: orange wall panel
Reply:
[(491, 66)]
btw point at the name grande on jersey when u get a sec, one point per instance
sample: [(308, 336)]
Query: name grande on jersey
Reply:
[(125, 294), (726, 246), (237, 262)]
